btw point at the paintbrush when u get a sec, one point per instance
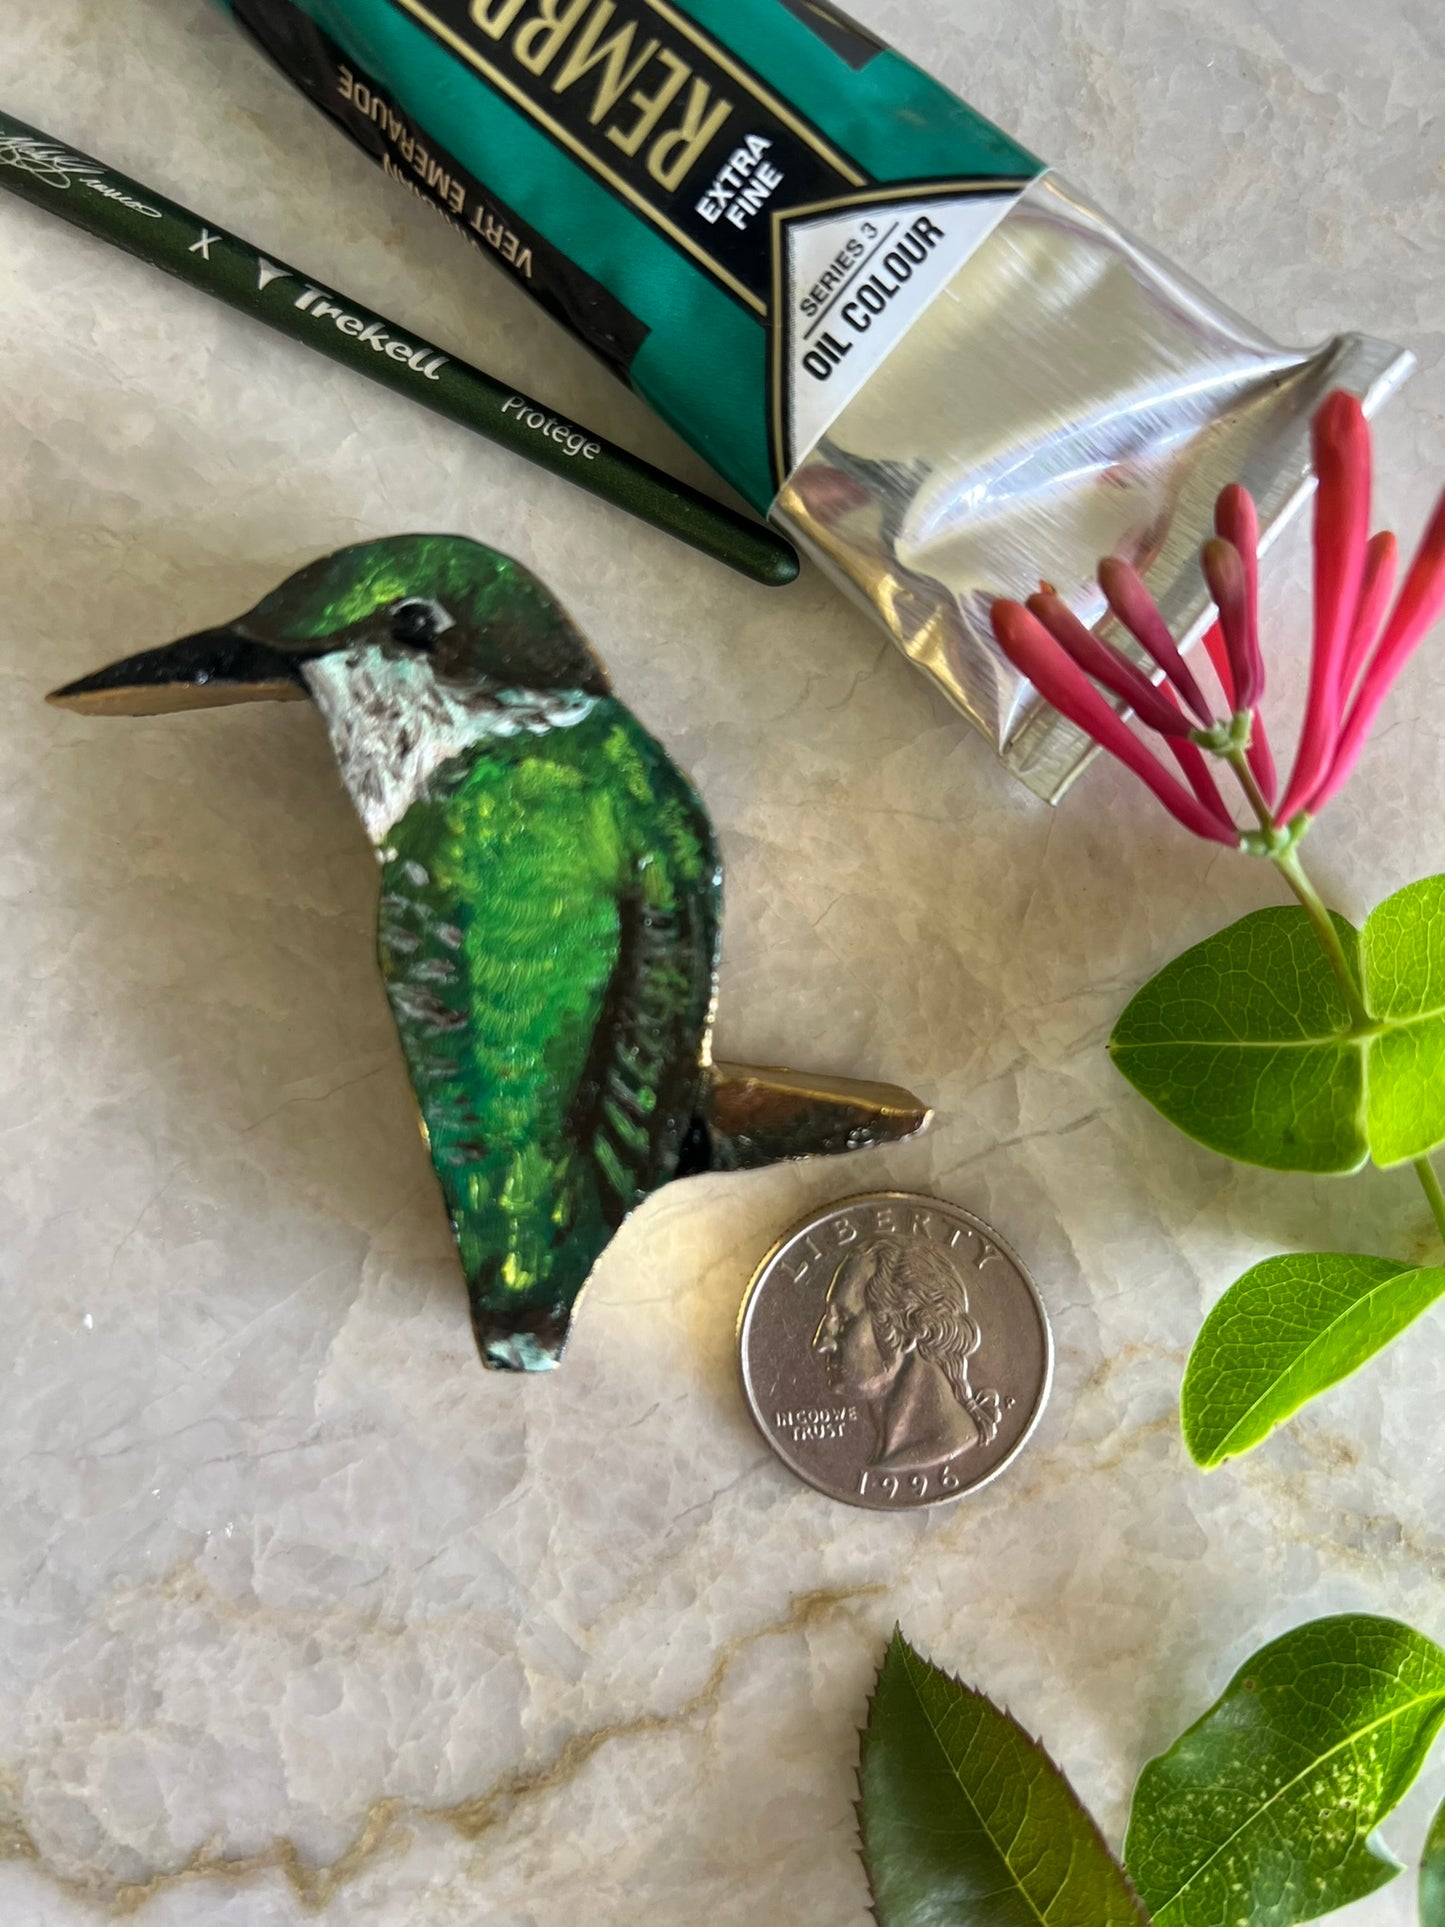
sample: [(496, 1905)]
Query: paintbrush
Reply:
[(53, 175)]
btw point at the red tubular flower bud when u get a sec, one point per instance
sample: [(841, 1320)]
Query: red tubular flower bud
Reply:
[(1382, 561), (1224, 571), (1237, 521), (1060, 681), (1108, 665), (1341, 438), (1133, 605), (1194, 763), (1197, 773), (1260, 758), (1223, 668), (1259, 755), (1420, 604)]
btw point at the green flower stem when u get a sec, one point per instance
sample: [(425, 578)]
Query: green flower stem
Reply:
[(1292, 870), (1239, 763), (1287, 862), (1430, 1184)]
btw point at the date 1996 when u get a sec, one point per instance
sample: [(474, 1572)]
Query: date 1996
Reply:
[(906, 1485)]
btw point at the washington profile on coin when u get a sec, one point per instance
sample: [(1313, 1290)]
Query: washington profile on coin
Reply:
[(894, 1351), (896, 1332)]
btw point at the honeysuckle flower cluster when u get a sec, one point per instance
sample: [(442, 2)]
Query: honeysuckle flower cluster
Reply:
[(1361, 643)]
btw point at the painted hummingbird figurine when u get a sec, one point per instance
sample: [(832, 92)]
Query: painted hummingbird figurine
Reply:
[(550, 903)]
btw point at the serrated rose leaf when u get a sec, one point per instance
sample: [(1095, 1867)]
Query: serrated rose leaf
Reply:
[(1285, 1332), (1432, 1874), (1262, 1812), (967, 1822), (1402, 968), (1243, 1042)]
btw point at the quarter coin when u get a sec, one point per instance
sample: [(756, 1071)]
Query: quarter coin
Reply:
[(894, 1351)]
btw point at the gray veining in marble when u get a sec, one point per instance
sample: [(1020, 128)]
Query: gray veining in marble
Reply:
[(301, 1615)]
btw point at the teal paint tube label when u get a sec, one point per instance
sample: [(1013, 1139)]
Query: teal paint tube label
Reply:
[(741, 205)]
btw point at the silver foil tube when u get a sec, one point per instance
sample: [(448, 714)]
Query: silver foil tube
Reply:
[(1069, 395)]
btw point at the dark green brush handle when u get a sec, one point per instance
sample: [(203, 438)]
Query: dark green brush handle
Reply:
[(53, 175)]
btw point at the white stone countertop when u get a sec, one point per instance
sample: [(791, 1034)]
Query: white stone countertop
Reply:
[(302, 1615)]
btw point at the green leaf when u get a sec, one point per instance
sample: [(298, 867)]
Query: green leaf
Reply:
[(1432, 1875), (1285, 1332), (1261, 1813), (1243, 1043), (967, 1822), (1402, 959)]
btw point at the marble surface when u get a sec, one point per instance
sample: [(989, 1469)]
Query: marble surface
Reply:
[(302, 1616)]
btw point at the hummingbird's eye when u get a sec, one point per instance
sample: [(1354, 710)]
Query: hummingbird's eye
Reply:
[(417, 622)]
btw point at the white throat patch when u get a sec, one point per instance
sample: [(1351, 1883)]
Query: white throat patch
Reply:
[(392, 724)]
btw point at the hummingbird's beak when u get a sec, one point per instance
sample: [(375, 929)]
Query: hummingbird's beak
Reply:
[(199, 672)]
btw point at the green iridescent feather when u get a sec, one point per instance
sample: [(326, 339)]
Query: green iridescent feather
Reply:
[(549, 910), (548, 936)]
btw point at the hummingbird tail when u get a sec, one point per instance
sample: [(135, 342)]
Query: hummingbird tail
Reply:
[(754, 1116)]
